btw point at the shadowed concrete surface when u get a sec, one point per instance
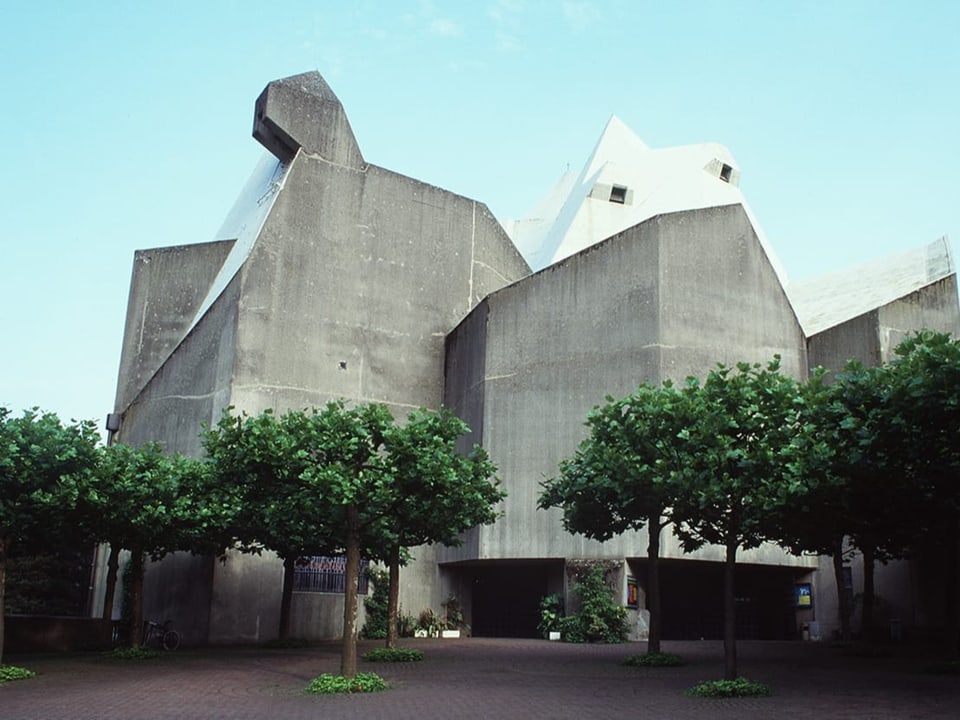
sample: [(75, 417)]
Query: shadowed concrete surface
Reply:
[(482, 678)]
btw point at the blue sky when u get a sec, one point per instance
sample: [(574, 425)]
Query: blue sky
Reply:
[(127, 125)]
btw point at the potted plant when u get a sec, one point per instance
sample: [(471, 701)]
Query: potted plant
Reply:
[(453, 623), (551, 614), (428, 624)]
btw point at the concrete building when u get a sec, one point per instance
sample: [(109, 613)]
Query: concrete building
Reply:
[(334, 278)]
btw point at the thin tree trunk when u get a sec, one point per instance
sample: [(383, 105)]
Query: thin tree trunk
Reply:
[(136, 598), (730, 611), (868, 628), (286, 597), (653, 584), (113, 566), (348, 652), (4, 547), (393, 597), (843, 599)]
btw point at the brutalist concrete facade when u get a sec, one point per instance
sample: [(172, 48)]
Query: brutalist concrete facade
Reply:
[(347, 290), (334, 278)]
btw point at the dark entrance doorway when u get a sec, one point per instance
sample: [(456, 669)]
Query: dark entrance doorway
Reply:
[(506, 597)]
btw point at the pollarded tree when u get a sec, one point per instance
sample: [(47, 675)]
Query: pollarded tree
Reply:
[(259, 463), (734, 468), (38, 455), (822, 459), (343, 449), (432, 493), (149, 503), (919, 429), (624, 475)]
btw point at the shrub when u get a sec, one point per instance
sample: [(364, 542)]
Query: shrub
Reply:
[(132, 653), (328, 684), (600, 618), (659, 659), (393, 655), (741, 687), (551, 613), (8, 673), (375, 627)]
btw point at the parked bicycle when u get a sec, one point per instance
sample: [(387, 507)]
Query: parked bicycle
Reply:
[(160, 635)]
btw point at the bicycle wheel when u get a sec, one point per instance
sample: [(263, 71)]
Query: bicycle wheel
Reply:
[(171, 640)]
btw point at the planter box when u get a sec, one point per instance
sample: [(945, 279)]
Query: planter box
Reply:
[(450, 633), (554, 635)]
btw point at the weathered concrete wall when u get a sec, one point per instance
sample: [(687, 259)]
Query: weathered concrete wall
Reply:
[(556, 343), (354, 283), (720, 298), (166, 289), (192, 386), (245, 603), (856, 339), (934, 307)]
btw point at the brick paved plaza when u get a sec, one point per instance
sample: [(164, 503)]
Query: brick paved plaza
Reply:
[(481, 678)]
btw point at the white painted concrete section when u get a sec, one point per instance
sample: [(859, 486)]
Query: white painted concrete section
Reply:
[(582, 210)]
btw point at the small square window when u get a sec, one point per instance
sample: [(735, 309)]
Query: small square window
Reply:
[(726, 172), (618, 194)]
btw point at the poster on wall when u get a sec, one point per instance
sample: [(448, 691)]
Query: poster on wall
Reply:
[(803, 596), (633, 592)]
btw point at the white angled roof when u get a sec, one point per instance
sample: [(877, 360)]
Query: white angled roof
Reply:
[(828, 300), (623, 183)]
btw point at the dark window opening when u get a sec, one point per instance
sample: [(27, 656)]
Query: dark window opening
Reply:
[(726, 172), (618, 194)]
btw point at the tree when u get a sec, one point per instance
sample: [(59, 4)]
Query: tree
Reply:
[(919, 430), (37, 454), (344, 452), (733, 459), (148, 503), (821, 459), (259, 464), (432, 493), (624, 476)]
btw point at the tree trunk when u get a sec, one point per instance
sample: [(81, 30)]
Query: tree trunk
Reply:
[(843, 599), (136, 598), (730, 610), (393, 597), (113, 566), (4, 547), (286, 597), (348, 652), (653, 584), (868, 628)]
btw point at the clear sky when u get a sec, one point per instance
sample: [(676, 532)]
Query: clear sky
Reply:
[(127, 125)]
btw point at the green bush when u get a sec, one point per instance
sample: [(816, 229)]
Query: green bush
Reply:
[(659, 659), (8, 673), (328, 684), (375, 627), (600, 618), (132, 653), (393, 655), (741, 687), (551, 613)]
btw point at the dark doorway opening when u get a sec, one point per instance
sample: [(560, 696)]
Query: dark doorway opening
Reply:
[(506, 597)]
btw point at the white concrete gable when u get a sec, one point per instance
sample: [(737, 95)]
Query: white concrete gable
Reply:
[(623, 183)]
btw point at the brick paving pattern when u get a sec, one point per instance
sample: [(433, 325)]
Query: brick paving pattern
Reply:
[(480, 678)]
